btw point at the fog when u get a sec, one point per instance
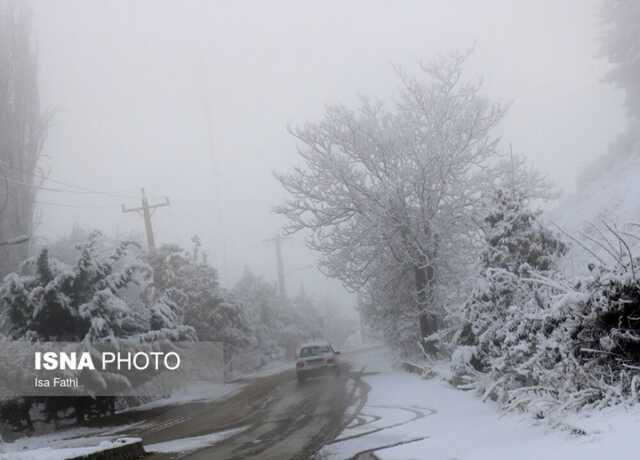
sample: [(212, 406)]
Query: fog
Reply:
[(129, 84)]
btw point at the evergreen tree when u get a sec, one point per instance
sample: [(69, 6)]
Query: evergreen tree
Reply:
[(99, 300), (496, 334)]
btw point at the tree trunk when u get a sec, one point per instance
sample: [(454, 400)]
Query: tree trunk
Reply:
[(428, 320), (22, 131)]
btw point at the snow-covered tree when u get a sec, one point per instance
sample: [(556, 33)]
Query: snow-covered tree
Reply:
[(97, 301), (517, 246), (195, 284), (264, 311), (389, 310), (397, 180), (305, 320), (501, 319), (278, 326)]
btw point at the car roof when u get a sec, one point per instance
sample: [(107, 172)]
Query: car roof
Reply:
[(314, 344)]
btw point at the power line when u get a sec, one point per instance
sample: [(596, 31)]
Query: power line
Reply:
[(79, 206), (61, 190), (115, 193), (79, 189)]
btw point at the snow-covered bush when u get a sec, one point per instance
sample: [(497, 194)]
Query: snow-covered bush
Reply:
[(504, 313), (579, 347), (206, 307), (533, 339), (101, 299), (603, 327)]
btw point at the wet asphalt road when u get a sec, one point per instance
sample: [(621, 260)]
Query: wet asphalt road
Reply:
[(293, 423), (283, 419)]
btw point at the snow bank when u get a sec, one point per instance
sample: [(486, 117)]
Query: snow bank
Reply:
[(190, 444), (194, 392), (454, 424), (73, 437), (51, 453)]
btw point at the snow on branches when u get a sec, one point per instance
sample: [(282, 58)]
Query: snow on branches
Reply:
[(97, 298), (533, 339), (101, 299), (398, 182)]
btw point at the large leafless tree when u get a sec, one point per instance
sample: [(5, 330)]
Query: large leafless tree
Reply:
[(399, 181)]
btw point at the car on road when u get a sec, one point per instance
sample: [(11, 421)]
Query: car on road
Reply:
[(316, 359)]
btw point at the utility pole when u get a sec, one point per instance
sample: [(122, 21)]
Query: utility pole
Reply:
[(277, 242), (146, 211)]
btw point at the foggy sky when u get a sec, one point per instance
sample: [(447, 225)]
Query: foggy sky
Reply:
[(127, 82)]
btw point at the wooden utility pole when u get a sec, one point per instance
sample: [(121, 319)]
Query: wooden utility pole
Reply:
[(277, 242), (146, 211)]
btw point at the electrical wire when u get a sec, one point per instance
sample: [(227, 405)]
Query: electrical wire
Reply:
[(123, 193), (78, 189), (79, 206), (61, 190)]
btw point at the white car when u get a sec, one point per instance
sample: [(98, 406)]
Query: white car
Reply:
[(317, 359)]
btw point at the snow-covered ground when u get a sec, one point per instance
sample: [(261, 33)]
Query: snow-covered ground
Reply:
[(438, 422), (88, 444), (72, 449), (194, 392), (55, 444), (190, 444)]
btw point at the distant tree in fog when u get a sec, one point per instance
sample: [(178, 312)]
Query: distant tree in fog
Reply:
[(204, 304), (278, 327), (621, 46), (22, 129), (67, 248)]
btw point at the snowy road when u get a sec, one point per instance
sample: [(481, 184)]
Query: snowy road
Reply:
[(280, 419), (372, 412), (292, 422)]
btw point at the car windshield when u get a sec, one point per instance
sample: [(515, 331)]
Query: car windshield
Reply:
[(314, 351)]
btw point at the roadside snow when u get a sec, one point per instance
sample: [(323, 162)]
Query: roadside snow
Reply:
[(59, 449), (191, 444), (456, 425), (194, 392), (70, 438), (269, 369), (51, 453)]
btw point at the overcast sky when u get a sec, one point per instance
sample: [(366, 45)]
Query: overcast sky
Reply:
[(128, 81)]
